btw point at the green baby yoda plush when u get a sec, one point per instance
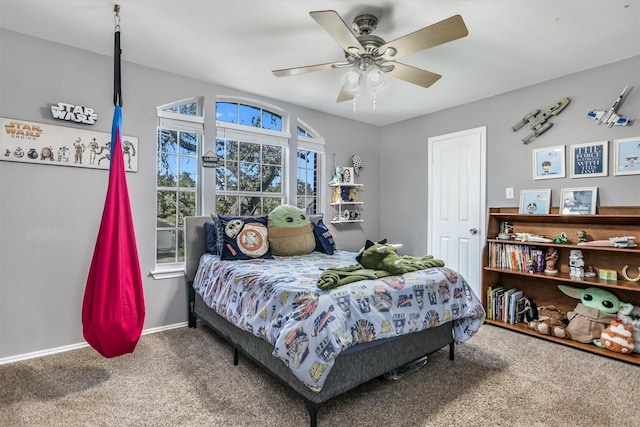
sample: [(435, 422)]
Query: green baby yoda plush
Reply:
[(595, 311), (290, 232), (384, 256)]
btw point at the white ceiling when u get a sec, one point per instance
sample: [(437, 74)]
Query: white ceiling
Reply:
[(237, 43)]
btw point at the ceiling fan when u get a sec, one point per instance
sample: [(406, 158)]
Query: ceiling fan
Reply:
[(370, 57)]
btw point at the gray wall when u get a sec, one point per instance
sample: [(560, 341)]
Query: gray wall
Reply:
[(49, 215), (403, 146)]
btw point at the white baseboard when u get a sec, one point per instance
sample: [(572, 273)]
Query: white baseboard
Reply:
[(50, 351)]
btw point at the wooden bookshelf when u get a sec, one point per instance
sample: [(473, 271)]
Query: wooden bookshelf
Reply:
[(542, 288)]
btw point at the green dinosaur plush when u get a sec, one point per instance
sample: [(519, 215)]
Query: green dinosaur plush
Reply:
[(384, 256)]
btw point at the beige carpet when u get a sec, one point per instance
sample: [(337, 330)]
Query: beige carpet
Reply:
[(185, 377)]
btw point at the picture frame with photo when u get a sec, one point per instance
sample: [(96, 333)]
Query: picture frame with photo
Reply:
[(548, 162), (578, 201), (627, 156), (535, 202), (348, 176), (589, 159)]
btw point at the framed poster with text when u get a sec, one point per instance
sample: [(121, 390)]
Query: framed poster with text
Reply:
[(589, 160), (37, 143)]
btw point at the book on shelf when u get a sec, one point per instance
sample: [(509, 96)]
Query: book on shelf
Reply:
[(502, 304), (512, 306), (514, 257), (520, 309)]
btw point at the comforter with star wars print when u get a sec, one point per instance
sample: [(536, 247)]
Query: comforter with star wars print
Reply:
[(278, 301)]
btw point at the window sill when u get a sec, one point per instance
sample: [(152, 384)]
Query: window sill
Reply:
[(167, 273)]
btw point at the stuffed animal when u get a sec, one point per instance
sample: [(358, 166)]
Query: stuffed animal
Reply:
[(290, 232), (551, 321), (617, 337), (384, 256), (596, 309), (632, 318)]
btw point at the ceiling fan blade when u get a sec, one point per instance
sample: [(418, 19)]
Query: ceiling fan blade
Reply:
[(338, 30), (413, 75), (344, 95), (308, 69), (442, 32)]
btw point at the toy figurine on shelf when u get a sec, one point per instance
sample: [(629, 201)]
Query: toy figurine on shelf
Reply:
[(576, 264), (561, 239), (582, 236), (551, 257)]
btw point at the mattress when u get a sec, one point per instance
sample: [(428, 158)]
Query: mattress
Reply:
[(278, 301)]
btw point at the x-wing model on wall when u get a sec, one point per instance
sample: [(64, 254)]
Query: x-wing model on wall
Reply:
[(611, 117), (537, 120)]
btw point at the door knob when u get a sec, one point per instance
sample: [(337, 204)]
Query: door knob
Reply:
[(473, 231)]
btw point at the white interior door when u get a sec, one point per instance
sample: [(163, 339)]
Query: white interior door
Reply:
[(457, 202)]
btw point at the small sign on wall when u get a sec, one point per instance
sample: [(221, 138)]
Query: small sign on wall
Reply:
[(74, 113), (38, 143)]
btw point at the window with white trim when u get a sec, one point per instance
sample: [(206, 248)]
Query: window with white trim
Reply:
[(179, 140), (310, 159), (253, 147)]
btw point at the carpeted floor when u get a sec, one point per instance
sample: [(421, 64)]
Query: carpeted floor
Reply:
[(185, 377)]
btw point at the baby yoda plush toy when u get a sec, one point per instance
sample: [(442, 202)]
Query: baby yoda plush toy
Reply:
[(290, 231), (595, 311)]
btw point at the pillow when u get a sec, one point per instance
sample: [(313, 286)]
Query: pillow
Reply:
[(211, 230), (290, 231), (243, 237), (216, 238), (324, 238)]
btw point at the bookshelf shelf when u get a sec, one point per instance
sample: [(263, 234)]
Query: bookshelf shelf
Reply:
[(542, 287)]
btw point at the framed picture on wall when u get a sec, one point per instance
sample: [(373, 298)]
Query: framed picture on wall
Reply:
[(578, 201), (589, 160), (548, 162), (627, 156), (535, 201)]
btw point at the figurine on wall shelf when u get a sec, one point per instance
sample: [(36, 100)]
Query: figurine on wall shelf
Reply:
[(551, 257), (537, 120), (611, 117)]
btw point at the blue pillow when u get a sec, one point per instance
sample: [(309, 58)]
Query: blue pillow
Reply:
[(244, 237), (211, 230), (324, 238)]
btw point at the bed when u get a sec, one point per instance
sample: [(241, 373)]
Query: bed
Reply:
[(326, 362)]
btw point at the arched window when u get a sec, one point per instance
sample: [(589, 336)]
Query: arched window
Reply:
[(253, 146), (310, 163)]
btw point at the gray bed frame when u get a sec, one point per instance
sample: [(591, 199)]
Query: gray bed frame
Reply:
[(355, 366)]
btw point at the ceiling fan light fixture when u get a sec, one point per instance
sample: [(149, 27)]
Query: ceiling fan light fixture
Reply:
[(376, 79), (351, 80)]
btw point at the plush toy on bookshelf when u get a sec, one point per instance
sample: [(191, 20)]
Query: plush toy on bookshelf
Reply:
[(551, 321), (596, 309)]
